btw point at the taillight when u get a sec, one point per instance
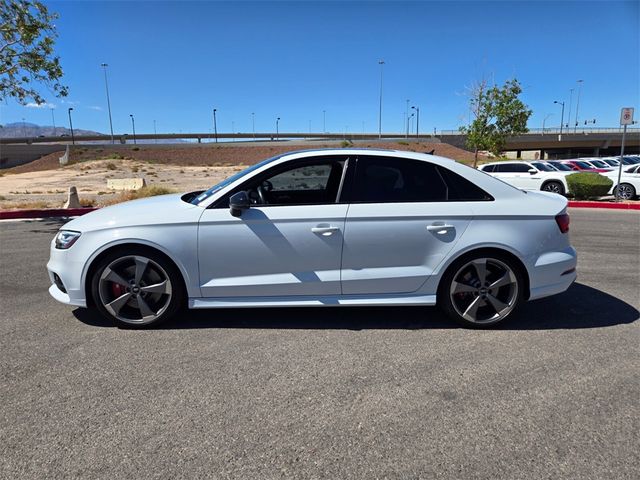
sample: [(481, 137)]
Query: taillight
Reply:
[(563, 222)]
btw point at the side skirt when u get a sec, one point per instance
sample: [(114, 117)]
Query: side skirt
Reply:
[(304, 301)]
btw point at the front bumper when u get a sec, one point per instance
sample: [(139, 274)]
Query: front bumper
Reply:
[(61, 263)]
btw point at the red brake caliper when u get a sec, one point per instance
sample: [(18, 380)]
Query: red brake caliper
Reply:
[(117, 289)]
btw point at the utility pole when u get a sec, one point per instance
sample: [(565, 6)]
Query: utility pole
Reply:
[(417, 109), (575, 127), (215, 126), (133, 124), (73, 139), (381, 63), (106, 86), (277, 128)]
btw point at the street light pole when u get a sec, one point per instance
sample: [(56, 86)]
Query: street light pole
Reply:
[(417, 109), (133, 124), (215, 126), (381, 63), (155, 132), (73, 139), (561, 116), (545, 121), (277, 128), (253, 124), (624, 136), (106, 86), (324, 121), (575, 128), (53, 119), (570, 102)]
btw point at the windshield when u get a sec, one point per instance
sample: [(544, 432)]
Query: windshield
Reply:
[(599, 164), (227, 181), (562, 167), (543, 167), (584, 165)]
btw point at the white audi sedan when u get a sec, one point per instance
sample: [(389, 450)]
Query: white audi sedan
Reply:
[(344, 227)]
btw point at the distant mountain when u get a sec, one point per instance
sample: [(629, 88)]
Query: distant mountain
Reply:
[(31, 130), (25, 129)]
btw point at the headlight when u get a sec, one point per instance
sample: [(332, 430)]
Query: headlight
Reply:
[(66, 238)]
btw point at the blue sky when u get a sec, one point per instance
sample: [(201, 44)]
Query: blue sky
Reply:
[(174, 61)]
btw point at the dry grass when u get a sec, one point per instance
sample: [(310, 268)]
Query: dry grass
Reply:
[(144, 192)]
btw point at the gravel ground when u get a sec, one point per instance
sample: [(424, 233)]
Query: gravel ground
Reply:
[(326, 393)]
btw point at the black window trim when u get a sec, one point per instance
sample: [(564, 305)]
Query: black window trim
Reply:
[(437, 167), (222, 202)]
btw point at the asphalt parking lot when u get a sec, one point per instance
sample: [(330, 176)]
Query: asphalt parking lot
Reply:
[(326, 393)]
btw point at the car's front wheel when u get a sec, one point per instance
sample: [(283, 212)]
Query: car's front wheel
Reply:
[(481, 290), (136, 288)]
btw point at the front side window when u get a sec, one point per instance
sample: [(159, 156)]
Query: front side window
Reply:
[(306, 183)]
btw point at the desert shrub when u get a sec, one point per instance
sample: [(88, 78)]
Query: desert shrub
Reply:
[(402, 142), (585, 185), (110, 166), (346, 143), (135, 149)]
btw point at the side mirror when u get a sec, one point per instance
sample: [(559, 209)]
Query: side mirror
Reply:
[(533, 171), (238, 202)]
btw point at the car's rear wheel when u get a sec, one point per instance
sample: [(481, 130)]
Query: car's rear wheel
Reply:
[(626, 191), (481, 290), (137, 288), (554, 187)]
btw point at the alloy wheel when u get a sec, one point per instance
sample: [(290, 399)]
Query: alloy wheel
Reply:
[(553, 187), (135, 289), (484, 290), (626, 191)]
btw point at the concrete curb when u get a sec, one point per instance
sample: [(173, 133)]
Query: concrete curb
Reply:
[(45, 213), (610, 205)]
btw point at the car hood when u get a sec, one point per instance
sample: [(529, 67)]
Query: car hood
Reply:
[(161, 209)]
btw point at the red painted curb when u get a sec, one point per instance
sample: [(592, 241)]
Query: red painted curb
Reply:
[(611, 205), (45, 213)]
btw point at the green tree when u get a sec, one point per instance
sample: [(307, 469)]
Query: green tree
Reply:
[(498, 114), (27, 59)]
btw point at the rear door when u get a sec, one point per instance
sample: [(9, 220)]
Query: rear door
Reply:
[(401, 224)]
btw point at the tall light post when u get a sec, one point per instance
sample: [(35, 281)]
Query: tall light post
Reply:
[(106, 86), (233, 129), (324, 121), (545, 121), (277, 128), (73, 139), (381, 63), (155, 132), (561, 116), (133, 125), (406, 115), (253, 124), (411, 122), (53, 119), (570, 102), (417, 109), (579, 82), (215, 125)]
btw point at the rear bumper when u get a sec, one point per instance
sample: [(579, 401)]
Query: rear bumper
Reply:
[(553, 273)]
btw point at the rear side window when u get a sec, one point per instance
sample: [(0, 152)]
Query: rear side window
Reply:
[(512, 168), (394, 180), (488, 168)]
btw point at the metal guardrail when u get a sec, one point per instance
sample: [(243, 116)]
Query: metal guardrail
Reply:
[(565, 131)]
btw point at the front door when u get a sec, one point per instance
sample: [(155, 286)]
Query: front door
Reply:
[(288, 243)]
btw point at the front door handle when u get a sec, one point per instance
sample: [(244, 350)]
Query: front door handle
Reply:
[(440, 229), (325, 230)]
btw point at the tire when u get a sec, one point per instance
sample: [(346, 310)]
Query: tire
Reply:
[(626, 191), (554, 187), (137, 288), (472, 303)]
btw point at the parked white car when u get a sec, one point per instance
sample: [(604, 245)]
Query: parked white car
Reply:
[(629, 182), (321, 228), (529, 175)]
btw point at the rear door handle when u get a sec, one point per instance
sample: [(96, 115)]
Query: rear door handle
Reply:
[(440, 229), (325, 230)]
